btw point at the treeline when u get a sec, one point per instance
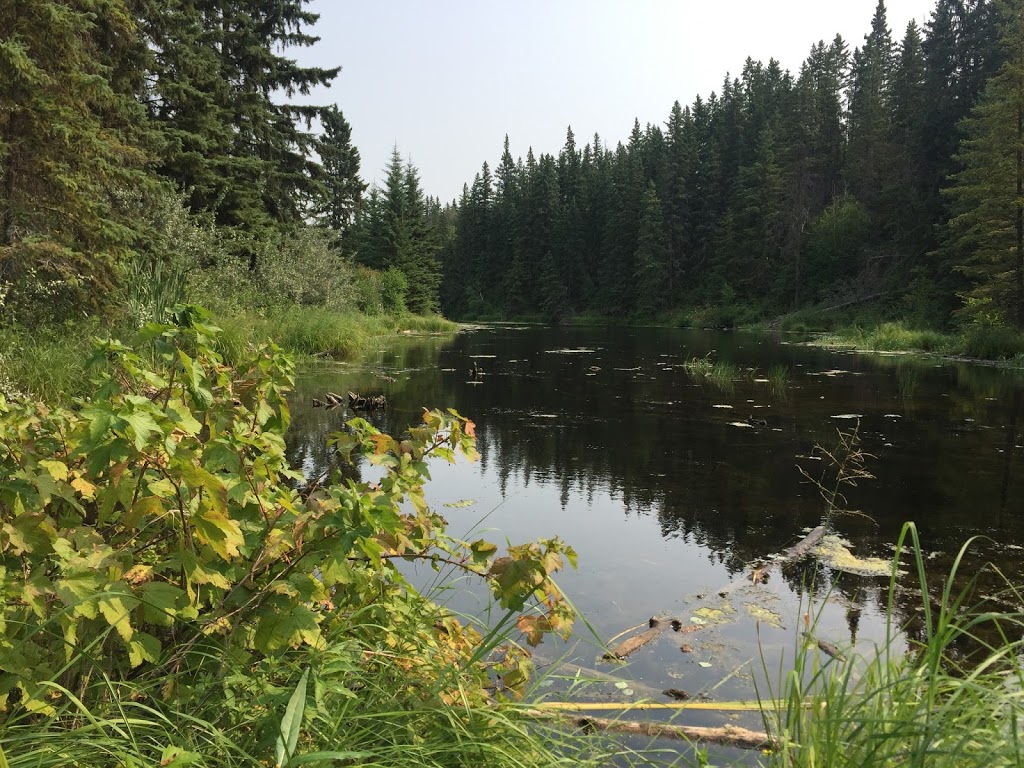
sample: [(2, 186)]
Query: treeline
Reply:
[(149, 146), (890, 170)]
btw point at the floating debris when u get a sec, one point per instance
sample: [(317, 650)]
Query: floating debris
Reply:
[(848, 416), (764, 615), (834, 552), (833, 373), (741, 424), (577, 351), (722, 406), (461, 503)]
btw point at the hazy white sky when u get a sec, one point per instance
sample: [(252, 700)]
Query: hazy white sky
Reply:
[(447, 80)]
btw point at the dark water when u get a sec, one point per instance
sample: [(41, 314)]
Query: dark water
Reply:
[(602, 437)]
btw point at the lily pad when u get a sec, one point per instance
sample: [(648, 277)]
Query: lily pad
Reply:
[(622, 686)]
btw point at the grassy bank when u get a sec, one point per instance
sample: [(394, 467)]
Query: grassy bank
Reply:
[(998, 345), (49, 363)]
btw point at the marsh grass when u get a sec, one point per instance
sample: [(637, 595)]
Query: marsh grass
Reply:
[(721, 374), (46, 364), (996, 344), (925, 707), (50, 364)]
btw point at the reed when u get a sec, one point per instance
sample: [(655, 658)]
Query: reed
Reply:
[(927, 706)]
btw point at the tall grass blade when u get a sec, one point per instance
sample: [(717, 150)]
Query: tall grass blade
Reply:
[(291, 724)]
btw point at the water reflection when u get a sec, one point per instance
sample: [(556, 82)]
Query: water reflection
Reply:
[(670, 483)]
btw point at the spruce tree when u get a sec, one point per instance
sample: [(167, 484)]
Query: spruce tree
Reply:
[(986, 227), (340, 172), (68, 153), (652, 258), (220, 86)]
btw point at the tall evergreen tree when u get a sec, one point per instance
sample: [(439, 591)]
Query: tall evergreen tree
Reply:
[(340, 163), (652, 257), (869, 153), (68, 152), (986, 228), (218, 78)]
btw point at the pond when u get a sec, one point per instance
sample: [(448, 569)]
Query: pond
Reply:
[(672, 484)]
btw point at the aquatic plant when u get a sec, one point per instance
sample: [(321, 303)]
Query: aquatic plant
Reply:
[(926, 707)]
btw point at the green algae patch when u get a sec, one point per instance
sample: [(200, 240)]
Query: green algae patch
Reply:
[(764, 615), (835, 552)]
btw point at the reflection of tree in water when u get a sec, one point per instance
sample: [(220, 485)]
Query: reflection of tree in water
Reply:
[(649, 437)]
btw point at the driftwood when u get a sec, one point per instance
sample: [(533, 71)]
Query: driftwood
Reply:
[(760, 573), (655, 628), (354, 401), (802, 547), (726, 736), (830, 650)]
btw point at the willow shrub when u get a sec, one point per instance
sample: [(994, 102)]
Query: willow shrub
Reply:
[(153, 536)]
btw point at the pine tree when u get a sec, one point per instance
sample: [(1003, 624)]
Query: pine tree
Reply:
[(986, 228), (68, 152)]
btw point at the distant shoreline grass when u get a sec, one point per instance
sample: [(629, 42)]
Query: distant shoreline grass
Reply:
[(50, 364), (999, 346)]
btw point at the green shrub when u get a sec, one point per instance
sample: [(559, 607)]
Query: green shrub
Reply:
[(162, 570)]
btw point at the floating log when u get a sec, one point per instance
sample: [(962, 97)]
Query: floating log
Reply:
[(635, 643), (802, 547), (829, 649), (726, 736), (760, 573), (318, 403), (333, 399)]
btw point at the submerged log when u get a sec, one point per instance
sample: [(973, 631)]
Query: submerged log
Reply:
[(760, 573), (596, 676), (726, 736), (635, 643)]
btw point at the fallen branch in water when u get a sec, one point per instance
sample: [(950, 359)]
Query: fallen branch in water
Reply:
[(760, 573), (727, 736), (628, 646)]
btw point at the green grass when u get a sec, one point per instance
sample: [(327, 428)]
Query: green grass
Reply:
[(49, 364), (318, 332), (995, 344), (930, 706)]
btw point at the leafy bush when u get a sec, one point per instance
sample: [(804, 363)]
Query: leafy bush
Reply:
[(153, 540)]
